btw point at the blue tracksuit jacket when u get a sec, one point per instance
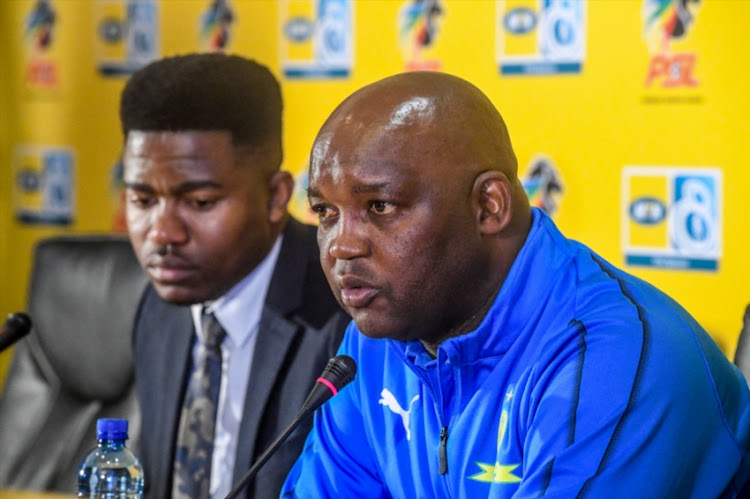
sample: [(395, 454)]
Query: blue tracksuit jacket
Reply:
[(581, 381)]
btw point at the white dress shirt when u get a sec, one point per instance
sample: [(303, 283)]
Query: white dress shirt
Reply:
[(238, 311)]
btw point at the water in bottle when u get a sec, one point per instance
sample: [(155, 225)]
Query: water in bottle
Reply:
[(111, 470)]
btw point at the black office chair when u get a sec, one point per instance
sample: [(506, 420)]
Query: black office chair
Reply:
[(742, 354), (75, 366)]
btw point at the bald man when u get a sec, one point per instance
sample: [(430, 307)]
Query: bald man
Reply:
[(497, 358)]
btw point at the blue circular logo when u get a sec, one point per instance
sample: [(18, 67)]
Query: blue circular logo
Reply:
[(647, 211), (111, 30), (28, 181), (298, 29), (520, 20)]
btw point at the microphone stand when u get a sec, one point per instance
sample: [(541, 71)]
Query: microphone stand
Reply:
[(267, 454), (338, 373)]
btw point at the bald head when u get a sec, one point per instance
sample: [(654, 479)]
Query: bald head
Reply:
[(463, 120), (421, 212)]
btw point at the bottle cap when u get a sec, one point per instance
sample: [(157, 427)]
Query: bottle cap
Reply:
[(112, 429)]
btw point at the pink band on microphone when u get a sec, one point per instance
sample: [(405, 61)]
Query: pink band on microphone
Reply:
[(328, 384)]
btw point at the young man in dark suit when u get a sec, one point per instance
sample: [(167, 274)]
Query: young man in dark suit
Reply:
[(239, 320)]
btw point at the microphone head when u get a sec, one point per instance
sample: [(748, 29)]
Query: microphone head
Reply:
[(340, 371), (18, 322), (16, 326)]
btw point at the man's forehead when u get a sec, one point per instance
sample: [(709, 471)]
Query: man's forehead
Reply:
[(386, 109), (415, 110)]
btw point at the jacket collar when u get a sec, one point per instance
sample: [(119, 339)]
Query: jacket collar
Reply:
[(285, 292)]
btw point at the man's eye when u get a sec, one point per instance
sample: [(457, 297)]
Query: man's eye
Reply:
[(140, 200), (324, 212), (202, 204), (382, 207)]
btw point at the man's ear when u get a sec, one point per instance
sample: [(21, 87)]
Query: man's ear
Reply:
[(280, 188), (492, 195)]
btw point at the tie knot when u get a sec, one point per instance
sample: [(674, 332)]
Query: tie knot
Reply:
[(212, 334)]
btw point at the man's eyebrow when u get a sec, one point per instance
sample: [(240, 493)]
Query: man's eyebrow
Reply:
[(182, 188), (357, 189), (370, 188), (137, 186), (312, 192)]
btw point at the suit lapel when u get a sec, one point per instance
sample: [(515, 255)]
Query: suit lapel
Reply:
[(275, 335), (287, 283), (273, 343), (177, 333)]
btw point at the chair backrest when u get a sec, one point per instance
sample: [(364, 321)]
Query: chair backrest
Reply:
[(742, 354), (76, 365)]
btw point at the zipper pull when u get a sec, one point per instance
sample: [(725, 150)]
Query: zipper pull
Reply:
[(443, 451)]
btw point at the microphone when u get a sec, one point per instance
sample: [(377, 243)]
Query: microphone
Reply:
[(339, 372), (16, 327)]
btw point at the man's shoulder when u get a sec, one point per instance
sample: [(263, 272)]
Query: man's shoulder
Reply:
[(152, 303), (154, 312)]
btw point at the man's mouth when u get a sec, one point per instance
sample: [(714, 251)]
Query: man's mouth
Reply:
[(169, 275), (356, 292), (169, 270)]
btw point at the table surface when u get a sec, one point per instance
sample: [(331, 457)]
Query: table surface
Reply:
[(22, 494)]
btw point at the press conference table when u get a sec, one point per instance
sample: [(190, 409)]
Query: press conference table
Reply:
[(22, 494)]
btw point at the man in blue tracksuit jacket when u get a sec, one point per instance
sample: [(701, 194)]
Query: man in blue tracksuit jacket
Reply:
[(496, 357)]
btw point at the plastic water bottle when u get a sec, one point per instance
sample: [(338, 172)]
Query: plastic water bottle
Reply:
[(111, 470)]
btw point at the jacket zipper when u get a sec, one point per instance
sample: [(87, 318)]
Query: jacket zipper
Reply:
[(443, 452)]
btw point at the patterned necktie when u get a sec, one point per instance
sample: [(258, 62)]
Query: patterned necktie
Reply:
[(195, 437)]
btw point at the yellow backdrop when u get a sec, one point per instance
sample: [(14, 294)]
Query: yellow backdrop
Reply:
[(637, 119)]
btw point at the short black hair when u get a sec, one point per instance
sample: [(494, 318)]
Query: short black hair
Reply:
[(207, 91)]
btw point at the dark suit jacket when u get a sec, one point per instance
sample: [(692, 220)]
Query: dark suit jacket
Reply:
[(301, 327)]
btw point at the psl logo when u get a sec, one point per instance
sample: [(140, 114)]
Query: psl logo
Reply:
[(41, 71), (216, 26), (543, 184), (39, 24), (418, 31), (665, 22)]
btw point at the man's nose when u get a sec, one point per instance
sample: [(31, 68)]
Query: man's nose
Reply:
[(167, 227), (349, 239)]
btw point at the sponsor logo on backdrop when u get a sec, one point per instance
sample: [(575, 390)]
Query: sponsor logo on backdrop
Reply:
[(666, 23), (543, 184), (671, 217), (418, 29), (299, 205), (42, 72), (667, 26), (540, 37), (216, 26), (317, 38), (43, 185), (127, 35), (117, 196)]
